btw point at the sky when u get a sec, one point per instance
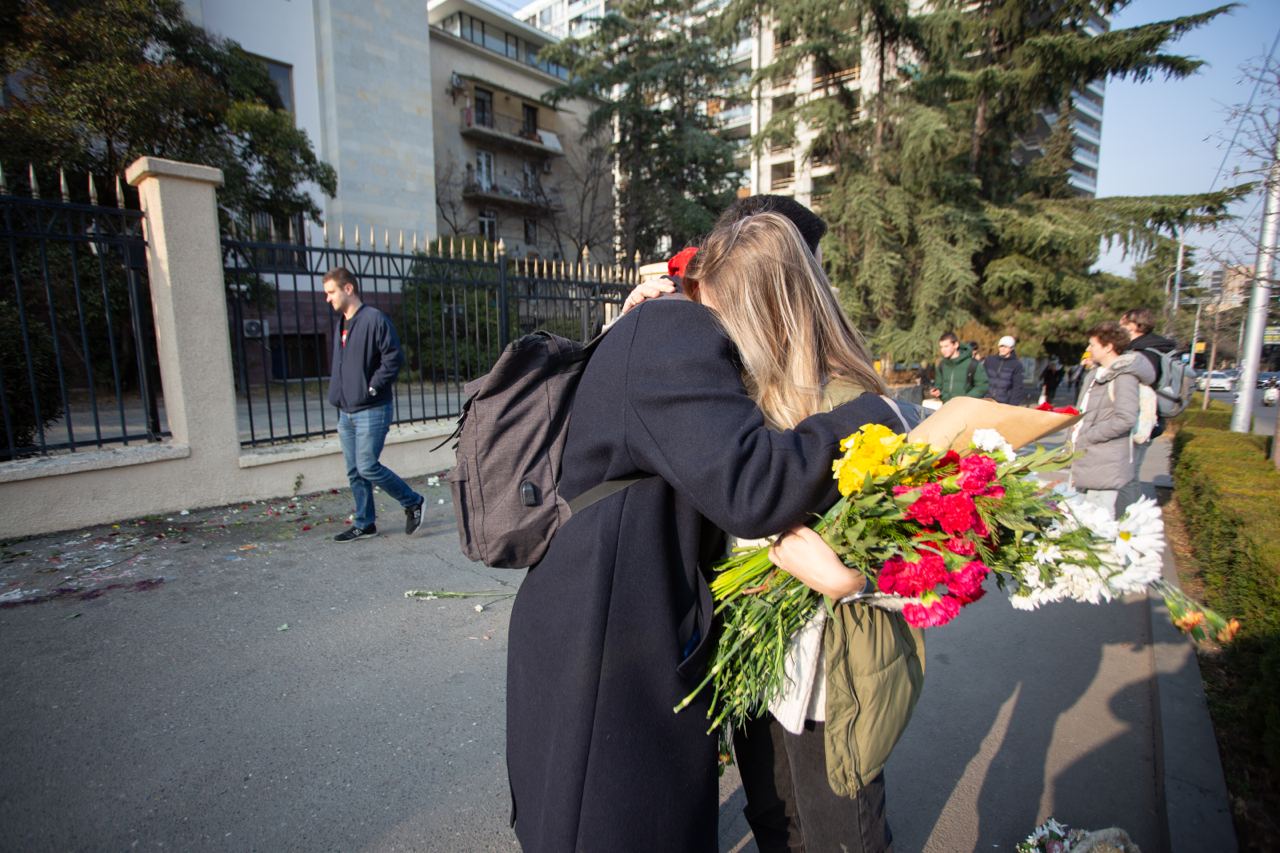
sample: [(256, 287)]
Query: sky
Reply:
[(1167, 137)]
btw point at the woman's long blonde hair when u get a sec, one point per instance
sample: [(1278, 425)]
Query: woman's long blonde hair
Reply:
[(776, 305)]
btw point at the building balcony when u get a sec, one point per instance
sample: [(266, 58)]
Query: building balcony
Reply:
[(510, 133), (844, 77), (529, 201)]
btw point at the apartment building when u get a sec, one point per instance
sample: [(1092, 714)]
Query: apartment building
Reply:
[(434, 116), (503, 152), (788, 170)]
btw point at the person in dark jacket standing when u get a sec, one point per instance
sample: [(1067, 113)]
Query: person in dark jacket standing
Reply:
[(1140, 324), (1004, 373), (366, 359)]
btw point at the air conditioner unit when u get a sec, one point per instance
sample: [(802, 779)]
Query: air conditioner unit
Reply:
[(455, 82), (255, 329), (546, 167)]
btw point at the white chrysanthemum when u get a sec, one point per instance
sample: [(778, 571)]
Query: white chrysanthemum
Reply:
[(1047, 552), (1091, 516), (1081, 583), (991, 441), (1140, 533)]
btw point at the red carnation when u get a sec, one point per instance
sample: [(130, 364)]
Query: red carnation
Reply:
[(949, 460), (939, 612), (955, 513), (966, 584), (926, 508), (996, 492), (976, 472), (911, 580), (960, 545)]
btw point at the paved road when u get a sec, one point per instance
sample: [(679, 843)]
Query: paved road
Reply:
[(186, 716)]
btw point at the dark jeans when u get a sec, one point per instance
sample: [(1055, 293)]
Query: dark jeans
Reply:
[(790, 805)]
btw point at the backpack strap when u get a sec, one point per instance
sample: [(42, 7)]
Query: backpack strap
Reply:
[(599, 492)]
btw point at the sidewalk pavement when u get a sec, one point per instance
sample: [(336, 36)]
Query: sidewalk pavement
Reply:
[(231, 679)]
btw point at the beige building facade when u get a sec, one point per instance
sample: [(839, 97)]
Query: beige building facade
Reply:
[(511, 165)]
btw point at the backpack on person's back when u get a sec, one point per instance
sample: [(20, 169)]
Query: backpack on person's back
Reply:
[(1175, 383)]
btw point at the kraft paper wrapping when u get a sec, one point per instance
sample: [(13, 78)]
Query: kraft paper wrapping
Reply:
[(951, 427)]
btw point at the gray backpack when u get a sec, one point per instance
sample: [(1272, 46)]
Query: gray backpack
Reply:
[(511, 436)]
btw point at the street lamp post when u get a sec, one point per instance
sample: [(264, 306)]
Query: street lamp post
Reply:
[(1259, 299)]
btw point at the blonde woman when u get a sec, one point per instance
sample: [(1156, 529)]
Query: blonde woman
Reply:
[(614, 626), (809, 787)]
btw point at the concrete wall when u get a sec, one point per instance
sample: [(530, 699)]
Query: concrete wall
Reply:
[(374, 66), (202, 464)]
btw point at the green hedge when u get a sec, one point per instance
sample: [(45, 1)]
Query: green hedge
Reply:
[(1217, 416), (1229, 494)]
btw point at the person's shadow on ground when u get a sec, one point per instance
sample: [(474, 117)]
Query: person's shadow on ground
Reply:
[(1000, 684)]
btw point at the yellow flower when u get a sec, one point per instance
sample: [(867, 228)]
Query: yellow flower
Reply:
[(1228, 633), (867, 451)]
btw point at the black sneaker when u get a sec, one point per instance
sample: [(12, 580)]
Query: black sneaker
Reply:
[(413, 517), (352, 533)]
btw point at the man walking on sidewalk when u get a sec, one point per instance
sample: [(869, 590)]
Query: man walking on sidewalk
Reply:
[(366, 359)]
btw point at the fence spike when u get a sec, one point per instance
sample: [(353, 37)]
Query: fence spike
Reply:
[(293, 237), (400, 245), (341, 237), (35, 186), (373, 243), (451, 253), (386, 239), (502, 246), (62, 184), (4, 185), (415, 242), (324, 232), (357, 236), (93, 189), (119, 193)]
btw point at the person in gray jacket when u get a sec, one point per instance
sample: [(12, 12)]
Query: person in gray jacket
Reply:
[(1110, 406)]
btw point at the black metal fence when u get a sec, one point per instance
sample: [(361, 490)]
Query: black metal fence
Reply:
[(454, 306), (78, 364)]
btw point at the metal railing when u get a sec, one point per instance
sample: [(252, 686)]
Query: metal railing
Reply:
[(454, 309), (78, 367)]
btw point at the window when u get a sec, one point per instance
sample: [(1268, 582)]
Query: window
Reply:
[(530, 121), (531, 232), (489, 225), (281, 76), (513, 47), (484, 169), (484, 107), (530, 176)]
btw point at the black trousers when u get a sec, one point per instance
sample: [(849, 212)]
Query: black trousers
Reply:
[(790, 805)]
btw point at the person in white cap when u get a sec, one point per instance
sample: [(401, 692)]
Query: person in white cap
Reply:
[(1004, 372)]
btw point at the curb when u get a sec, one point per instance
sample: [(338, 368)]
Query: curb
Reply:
[(1192, 790)]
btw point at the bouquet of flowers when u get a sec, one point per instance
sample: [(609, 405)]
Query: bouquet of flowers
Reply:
[(927, 517)]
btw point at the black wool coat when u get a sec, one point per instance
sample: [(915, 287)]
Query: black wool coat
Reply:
[(613, 627)]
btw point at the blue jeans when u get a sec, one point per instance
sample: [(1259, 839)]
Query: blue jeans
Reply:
[(362, 434)]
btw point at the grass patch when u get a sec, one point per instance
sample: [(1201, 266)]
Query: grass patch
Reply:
[(1227, 495)]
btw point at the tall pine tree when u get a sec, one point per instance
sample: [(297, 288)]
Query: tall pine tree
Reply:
[(938, 215), (652, 67)]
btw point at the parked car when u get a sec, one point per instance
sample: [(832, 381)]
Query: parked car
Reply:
[(1268, 378), (1219, 380)]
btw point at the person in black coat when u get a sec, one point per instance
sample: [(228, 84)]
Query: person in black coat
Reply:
[(1004, 373), (614, 626)]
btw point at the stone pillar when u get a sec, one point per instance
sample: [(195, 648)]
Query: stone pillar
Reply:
[(188, 299)]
